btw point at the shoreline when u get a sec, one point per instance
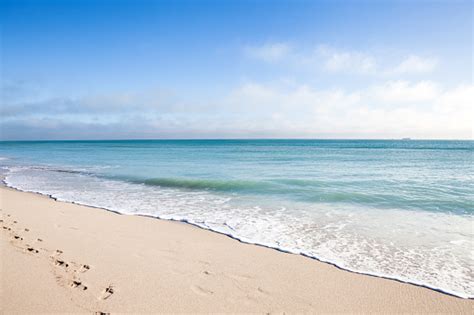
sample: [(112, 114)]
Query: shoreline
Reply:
[(283, 250), (251, 298)]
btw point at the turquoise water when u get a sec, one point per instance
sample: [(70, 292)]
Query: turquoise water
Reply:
[(398, 209)]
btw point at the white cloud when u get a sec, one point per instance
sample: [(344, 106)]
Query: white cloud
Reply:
[(459, 99), (347, 61), (339, 61), (415, 64), (269, 52), (391, 110), (455, 109), (404, 91)]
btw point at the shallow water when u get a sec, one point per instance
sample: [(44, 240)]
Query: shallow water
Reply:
[(398, 209)]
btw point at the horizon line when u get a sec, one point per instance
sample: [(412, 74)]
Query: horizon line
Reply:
[(230, 139)]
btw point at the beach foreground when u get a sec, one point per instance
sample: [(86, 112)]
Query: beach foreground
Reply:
[(60, 257)]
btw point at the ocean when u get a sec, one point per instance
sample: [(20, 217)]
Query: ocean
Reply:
[(396, 209)]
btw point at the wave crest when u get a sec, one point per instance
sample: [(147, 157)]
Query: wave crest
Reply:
[(209, 184)]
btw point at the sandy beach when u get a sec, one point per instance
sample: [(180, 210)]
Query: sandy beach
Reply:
[(61, 257)]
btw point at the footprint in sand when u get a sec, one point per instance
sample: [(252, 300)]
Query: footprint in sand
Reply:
[(32, 250), (78, 284), (61, 263), (263, 291), (17, 241), (65, 273), (201, 291), (241, 277), (206, 274), (107, 293)]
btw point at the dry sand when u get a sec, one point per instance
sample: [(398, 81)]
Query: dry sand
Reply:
[(61, 257)]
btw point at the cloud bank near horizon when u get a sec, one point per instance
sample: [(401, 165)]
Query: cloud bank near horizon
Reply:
[(389, 109)]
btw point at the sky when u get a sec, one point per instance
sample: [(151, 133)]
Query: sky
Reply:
[(149, 69)]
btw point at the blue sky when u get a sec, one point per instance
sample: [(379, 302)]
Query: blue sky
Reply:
[(236, 69)]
